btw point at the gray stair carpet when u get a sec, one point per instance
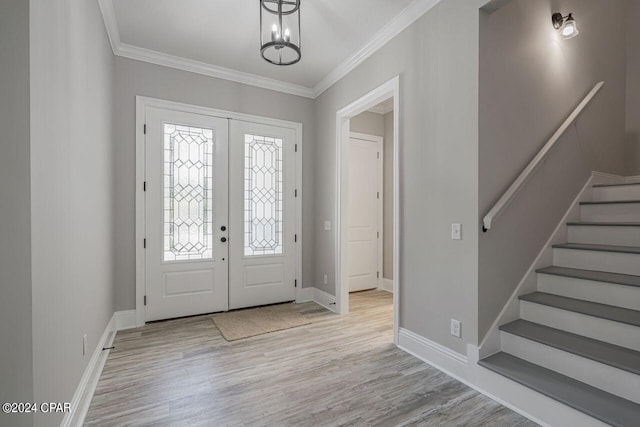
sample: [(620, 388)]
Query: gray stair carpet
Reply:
[(603, 311), (604, 224), (599, 248), (615, 185), (611, 202), (595, 276), (609, 354), (599, 404)]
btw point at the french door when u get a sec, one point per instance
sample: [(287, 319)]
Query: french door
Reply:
[(262, 188), (219, 214)]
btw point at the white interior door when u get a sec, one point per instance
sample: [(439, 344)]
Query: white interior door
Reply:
[(262, 214), (364, 218), (186, 215)]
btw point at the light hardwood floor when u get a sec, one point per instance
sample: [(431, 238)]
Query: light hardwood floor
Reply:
[(337, 371)]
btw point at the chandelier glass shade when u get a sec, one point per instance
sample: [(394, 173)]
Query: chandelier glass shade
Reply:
[(280, 40)]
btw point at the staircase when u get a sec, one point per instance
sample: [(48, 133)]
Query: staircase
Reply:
[(578, 337)]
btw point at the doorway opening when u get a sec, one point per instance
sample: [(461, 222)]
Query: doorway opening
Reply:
[(361, 253)]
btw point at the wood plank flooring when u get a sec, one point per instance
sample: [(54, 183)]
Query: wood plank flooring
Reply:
[(337, 371)]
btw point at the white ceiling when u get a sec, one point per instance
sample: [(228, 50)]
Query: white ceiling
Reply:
[(221, 37)]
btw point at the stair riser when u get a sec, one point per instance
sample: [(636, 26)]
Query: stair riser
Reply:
[(610, 194), (612, 262), (604, 293), (624, 212), (592, 327), (617, 236), (612, 380)]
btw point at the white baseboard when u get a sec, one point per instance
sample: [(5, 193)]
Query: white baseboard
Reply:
[(89, 380), (427, 350), (520, 399), (632, 179), (318, 296), (125, 319), (84, 392), (386, 285), (324, 299), (305, 295)]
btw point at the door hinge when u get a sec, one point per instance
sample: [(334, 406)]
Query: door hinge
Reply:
[(295, 193), (144, 186), (144, 243), (378, 274), (145, 129), (378, 154), (296, 148), (295, 283), (295, 238), (378, 194), (145, 300), (378, 233)]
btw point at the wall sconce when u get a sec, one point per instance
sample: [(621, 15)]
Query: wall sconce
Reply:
[(566, 25)]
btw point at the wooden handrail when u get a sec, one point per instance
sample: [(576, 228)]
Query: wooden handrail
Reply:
[(506, 198)]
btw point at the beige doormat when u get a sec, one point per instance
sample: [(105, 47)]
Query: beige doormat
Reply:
[(235, 325)]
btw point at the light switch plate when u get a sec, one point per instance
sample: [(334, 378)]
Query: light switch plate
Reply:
[(456, 231), (327, 226), (456, 328)]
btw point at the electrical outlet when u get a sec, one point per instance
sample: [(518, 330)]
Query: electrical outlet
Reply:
[(456, 328), (326, 279), (84, 345)]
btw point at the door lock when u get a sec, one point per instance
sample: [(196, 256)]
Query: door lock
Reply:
[(223, 228), (223, 239)]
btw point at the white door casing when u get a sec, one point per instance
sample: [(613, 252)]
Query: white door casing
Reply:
[(388, 89), (186, 200), (144, 106), (262, 210), (365, 212)]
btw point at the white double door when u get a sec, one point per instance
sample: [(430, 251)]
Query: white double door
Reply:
[(219, 214)]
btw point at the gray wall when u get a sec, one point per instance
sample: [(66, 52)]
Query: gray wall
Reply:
[(382, 125), (16, 369), (633, 88), (438, 167), (530, 81), (139, 78), (71, 193), (369, 123)]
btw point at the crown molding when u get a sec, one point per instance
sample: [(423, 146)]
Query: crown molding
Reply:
[(394, 27), (407, 17), (147, 55), (110, 23), (159, 58)]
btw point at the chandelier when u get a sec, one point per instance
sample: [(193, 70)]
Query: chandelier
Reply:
[(280, 31)]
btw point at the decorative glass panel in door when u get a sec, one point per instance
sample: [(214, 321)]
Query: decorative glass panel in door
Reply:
[(263, 189), (186, 211), (188, 192)]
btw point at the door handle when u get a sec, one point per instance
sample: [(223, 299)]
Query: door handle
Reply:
[(223, 228), (223, 239)]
